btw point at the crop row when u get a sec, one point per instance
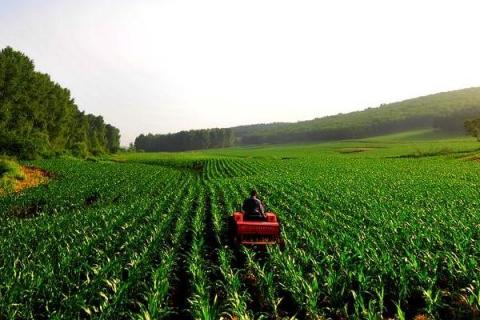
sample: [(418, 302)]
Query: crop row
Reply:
[(365, 238)]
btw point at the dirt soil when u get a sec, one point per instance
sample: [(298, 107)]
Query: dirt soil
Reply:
[(421, 316), (33, 177)]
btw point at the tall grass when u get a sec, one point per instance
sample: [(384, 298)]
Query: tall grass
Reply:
[(10, 171)]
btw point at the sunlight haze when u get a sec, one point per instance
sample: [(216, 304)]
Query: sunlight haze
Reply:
[(165, 66)]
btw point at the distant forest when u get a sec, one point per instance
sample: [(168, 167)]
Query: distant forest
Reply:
[(186, 140), (39, 118), (446, 111), (452, 112)]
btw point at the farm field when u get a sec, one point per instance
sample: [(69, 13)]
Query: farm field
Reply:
[(383, 228)]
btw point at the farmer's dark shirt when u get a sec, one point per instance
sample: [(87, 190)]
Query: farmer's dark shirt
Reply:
[(253, 207)]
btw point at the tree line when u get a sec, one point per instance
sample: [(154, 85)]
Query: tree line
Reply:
[(186, 140), (40, 118)]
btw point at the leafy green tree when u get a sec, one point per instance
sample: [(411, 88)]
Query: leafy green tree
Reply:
[(97, 138), (473, 128), (113, 138), (38, 117)]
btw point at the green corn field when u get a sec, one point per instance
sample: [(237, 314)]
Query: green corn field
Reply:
[(372, 230)]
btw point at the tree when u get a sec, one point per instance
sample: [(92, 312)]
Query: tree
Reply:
[(473, 128), (113, 138), (38, 117)]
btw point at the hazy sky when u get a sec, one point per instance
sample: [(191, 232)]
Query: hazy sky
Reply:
[(164, 66)]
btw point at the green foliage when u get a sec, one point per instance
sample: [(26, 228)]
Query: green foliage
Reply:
[(366, 233), (112, 135), (39, 118), (473, 128), (186, 140), (10, 171), (79, 149)]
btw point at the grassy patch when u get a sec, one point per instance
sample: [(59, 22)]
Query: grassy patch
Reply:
[(474, 157), (445, 151), (10, 172), (355, 150), (417, 135)]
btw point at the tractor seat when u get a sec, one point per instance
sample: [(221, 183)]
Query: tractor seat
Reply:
[(254, 217)]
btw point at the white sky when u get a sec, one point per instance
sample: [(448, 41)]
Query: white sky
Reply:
[(164, 66)]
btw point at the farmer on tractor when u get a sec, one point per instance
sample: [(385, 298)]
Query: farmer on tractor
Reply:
[(253, 208), (254, 226)]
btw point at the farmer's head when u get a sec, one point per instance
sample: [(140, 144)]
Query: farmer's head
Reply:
[(253, 193)]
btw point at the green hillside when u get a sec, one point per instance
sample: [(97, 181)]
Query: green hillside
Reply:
[(446, 112)]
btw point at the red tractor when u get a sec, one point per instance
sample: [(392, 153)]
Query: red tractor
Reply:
[(251, 232)]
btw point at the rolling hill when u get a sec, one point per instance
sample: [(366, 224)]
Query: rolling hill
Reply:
[(446, 112)]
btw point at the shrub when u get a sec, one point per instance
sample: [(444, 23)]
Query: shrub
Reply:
[(79, 150), (10, 171)]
